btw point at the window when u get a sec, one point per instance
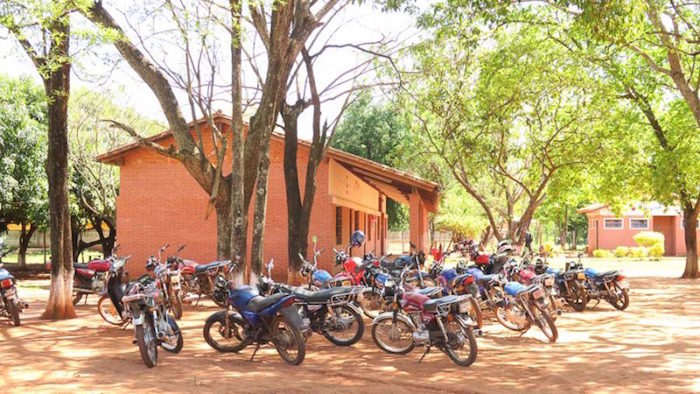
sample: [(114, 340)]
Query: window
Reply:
[(338, 225), (639, 224), (357, 220), (613, 224)]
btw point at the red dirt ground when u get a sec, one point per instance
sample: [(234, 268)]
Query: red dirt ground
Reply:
[(654, 346)]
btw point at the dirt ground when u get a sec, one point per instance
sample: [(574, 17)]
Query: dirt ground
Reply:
[(654, 346)]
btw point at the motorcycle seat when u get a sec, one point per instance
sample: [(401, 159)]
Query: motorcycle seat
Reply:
[(80, 266), (319, 296), (431, 305), (515, 288), (258, 303), (486, 279), (608, 273), (5, 274), (204, 267), (429, 291)]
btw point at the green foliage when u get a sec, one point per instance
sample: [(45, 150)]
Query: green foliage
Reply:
[(649, 238), (460, 214), (639, 252), (602, 253), (657, 250), (23, 186), (622, 251)]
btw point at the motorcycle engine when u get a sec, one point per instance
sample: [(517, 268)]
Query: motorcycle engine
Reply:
[(421, 336), (98, 281)]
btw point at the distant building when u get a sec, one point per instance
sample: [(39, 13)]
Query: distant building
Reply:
[(608, 231), (159, 202)]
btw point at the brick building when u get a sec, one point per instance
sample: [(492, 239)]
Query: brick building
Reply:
[(608, 231), (159, 202)]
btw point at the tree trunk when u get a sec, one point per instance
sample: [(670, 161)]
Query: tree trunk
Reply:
[(57, 84), (238, 213), (690, 219), (24, 238), (256, 255), (224, 228)]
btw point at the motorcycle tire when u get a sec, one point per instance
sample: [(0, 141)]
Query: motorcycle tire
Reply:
[(622, 301), (176, 305), (236, 329), (450, 347), (13, 312), (178, 345), (221, 303), (579, 300), (384, 345), (546, 324), (476, 313), (147, 346), (500, 312), (78, 296), (358, 322), (369, 299), (108, 312), (287, 337)]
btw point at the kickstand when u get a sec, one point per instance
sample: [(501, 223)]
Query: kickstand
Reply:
[(257, 346), (596, 304), (427, 350)]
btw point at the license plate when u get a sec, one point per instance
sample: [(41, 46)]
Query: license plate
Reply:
[(549, 282), (624, 284), (581, 276), (465, 307), (175, 279), (539, 293)]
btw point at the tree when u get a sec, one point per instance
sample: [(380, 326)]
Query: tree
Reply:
[(283, 29), (376, 132), (507, 114), (22, 154), (43, 31)]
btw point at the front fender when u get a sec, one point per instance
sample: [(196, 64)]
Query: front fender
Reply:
[(390, 315)]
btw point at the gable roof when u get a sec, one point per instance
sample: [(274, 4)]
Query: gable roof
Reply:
[(387, 179), (635, 209)]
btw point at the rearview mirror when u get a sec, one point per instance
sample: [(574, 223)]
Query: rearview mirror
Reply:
[(314, 239)]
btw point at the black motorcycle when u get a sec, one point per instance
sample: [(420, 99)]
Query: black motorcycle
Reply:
[(10, 304)]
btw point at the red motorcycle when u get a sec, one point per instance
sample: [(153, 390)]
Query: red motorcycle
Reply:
[(90, 278), (201, 278)]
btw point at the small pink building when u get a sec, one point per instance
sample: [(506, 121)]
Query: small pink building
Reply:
[(608, 231)]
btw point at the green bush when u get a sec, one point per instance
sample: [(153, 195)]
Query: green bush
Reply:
[(622, 251), (649, 238), (639, 252), (656, 250), (602, 253)]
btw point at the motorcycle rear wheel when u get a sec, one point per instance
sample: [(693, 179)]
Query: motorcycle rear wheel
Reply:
[(215, 332), (13, 312), (546, 324), (174, 329), (505, 316), (288, 341), (622, 300), (372, 303), (146, 339), (578, 300), (344, 312), (108, 312), (393, 338), (455, 348)]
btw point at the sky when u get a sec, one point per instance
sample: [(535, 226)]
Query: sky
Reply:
[(95, 69)]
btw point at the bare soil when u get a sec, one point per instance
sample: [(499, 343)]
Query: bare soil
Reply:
[(654, 346)]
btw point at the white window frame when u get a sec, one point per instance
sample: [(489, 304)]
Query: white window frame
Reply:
[(639, 228), (605, 224)]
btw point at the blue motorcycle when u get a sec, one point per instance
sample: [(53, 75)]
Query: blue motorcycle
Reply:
[(10, 305), (257, 320)]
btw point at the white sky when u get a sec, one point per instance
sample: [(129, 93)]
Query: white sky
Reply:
[(358, 24)]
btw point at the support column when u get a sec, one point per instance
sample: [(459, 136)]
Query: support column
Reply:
[(418, 221)]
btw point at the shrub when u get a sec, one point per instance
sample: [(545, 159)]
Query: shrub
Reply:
[(622, 251), (602, 253), (649, 238), (656, 250), (548, 248), (639, 252)]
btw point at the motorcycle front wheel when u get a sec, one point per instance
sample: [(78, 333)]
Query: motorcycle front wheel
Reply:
[(13, 312), (222, 337), (343, 326), (512, 317), (288, 341), (146, 339), (546, 324), (394, 338), (174, 330), (371, 304), (108, 312), (461, 346), (176, 305), (578, 299)]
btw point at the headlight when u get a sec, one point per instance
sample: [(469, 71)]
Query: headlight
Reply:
[(581, 276)]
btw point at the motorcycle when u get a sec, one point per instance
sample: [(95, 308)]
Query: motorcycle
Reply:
[(200, 279), (417, 320), (90, 278), (416, 262), (256, 320), (330, 312), (145, 301), (110, 306), (526, 274), (524, 306), (172, 280), (10, 304), (610, 286), (571, 286)]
